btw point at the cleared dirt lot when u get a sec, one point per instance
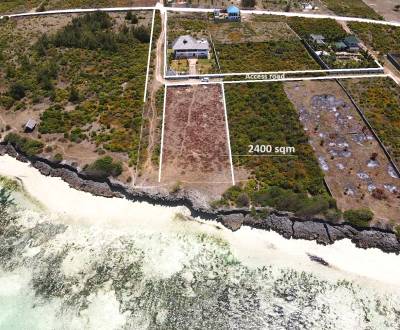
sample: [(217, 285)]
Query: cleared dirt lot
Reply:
[(356, 169), (195, 148)]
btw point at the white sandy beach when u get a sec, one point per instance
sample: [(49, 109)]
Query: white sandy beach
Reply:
[(252, 247)]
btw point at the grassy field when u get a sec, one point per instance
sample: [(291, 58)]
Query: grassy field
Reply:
[(355, 8), (379, 98), (261, 114), (84, 80), (383, 39)]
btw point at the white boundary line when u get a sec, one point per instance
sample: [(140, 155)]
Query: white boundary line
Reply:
[(229, 74), (162, 133), (227, 132), (165, 43), (284, 79), (202, 10), (149, 57)]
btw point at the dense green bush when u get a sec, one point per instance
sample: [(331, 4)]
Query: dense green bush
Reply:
[(329, 28), (17, 91), (28, 146), (104, 167), (261, 114), (358, 217)]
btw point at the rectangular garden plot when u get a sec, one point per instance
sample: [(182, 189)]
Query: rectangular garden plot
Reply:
[(195, 144), (356, 169)]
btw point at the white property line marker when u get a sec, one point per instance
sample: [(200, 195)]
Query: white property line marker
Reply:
[(227, 133), (149, 57), (381, 75), (165, 43), (162, 134)]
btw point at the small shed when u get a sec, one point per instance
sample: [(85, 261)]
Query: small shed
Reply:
[(30, 125)]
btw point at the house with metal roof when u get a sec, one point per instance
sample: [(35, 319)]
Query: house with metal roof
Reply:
[(352, 43), (188, 47), (233, 13)]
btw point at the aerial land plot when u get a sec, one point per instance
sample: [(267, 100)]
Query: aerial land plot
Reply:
[(195, 145), (379, 99), (261, 114), (253, 45), (356, 8), (356, 169), (335, 47), (81, 79), (381, 38), (18, 6)]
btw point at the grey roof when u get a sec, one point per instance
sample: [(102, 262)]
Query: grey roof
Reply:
[(317, 37), (352, 40), (187, 42), (31, 124)]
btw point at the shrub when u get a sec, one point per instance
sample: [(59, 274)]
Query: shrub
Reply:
[(248, 3), (358, 217), (243, 200), (73, 95), (28, 146), (333, 215), (17, 91), (58, 158), (104, 167), (142, 34)]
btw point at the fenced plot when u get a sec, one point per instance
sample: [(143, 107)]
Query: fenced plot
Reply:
[(195, 143)]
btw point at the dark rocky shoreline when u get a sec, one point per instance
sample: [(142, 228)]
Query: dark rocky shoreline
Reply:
[(284, 223)]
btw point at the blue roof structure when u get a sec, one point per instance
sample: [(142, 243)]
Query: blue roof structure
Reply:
[(233, 10)]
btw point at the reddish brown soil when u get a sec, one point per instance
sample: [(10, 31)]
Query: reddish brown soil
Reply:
[(196, 150)]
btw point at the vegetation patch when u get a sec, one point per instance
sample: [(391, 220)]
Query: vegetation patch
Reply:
[(264, 56), (329, 28), (87, 78), (261, 114), (12, 6), (379, 99), (382, 38), (356, 8), (28, 146), (359, 217), (104, 167)]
